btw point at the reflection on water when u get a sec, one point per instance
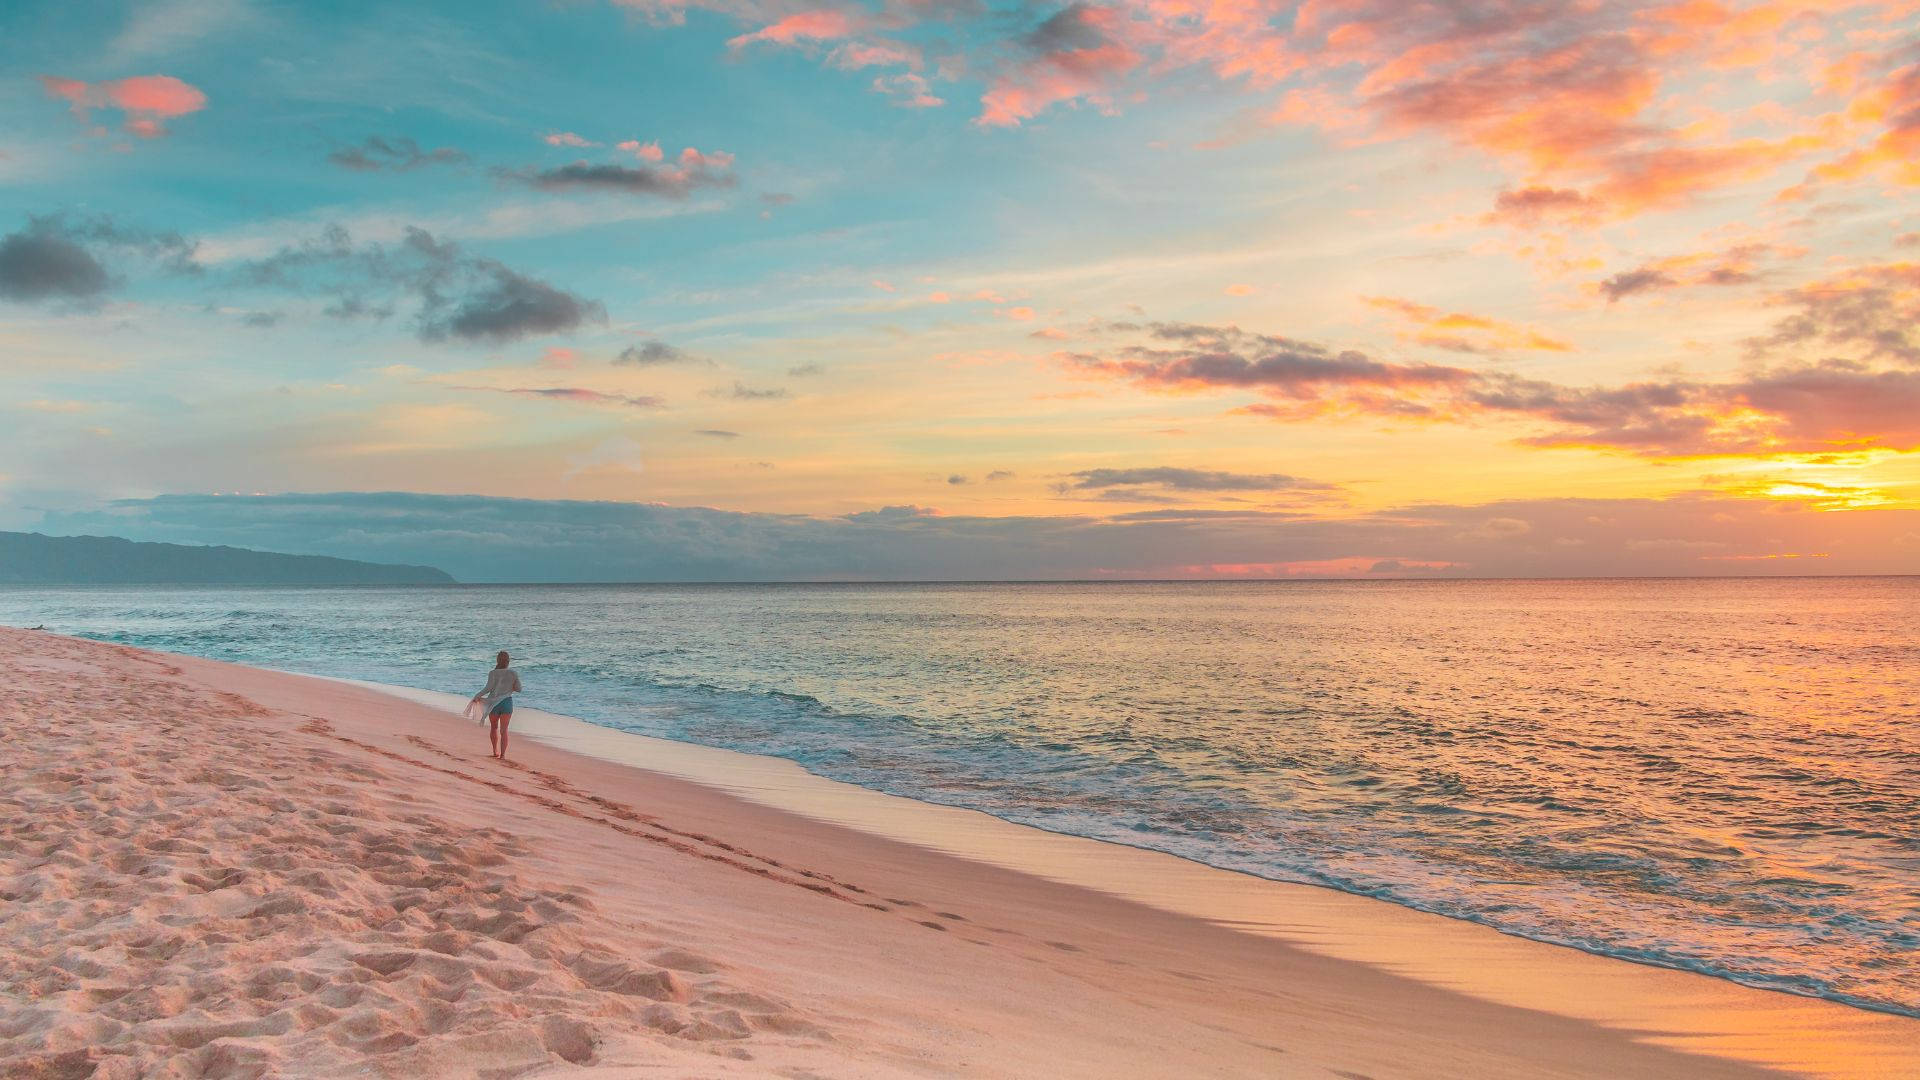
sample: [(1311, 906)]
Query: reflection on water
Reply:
[(1714, 775)]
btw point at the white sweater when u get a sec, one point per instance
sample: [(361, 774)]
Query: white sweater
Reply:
[(501, 681)]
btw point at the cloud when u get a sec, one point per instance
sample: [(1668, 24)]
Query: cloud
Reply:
[(143, 100), (998, 475), (398, 154), (1534, 206), (716, 433), (1734, 266), (574, 393), (855, 55), (1563, 92), (1872, 312), (908, 91), (567, 138), (693, 171), (1894, 100), (1802, 408), (508, 307), (957, 479), (813, 24), (742, 392), (1458, 331), (457, 296), (1592, 111), (491, 539), (1628, 282), (42, 266), (1312, 378), (655, 353), (1178, 479), (56, 257), (805, 371), (1500, 528), (645, 151), (905, 512), (1075, 53)]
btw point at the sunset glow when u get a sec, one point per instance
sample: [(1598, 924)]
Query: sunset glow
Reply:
[(1328, 286)]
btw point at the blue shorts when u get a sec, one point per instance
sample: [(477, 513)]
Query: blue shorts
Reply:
[(503, 707)]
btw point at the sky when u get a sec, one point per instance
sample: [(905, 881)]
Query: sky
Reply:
[(797, 289)]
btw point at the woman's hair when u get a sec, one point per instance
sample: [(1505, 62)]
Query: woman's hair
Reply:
[(501, 660)]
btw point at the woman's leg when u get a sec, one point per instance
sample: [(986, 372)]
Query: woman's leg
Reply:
[(506, 721), (493, 733)]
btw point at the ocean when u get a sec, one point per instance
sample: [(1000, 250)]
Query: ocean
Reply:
[(1714, 775)]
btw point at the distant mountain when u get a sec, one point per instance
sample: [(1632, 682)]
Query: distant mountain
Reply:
[(33, 559)]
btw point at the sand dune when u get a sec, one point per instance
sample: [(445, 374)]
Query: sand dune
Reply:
[(214, 871)]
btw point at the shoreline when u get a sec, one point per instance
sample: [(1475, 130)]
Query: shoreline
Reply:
[(1049, 947), (1440, 950), (783, 784)]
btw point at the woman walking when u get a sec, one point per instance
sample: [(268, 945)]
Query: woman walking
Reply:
[(497, 699)]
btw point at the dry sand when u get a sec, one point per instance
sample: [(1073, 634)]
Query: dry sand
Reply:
[(209, 870)]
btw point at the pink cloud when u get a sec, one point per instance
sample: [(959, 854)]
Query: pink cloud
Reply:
[(715, 159), (1595, 110), (647, 151), (855, 55), (567, 138), (146, 100), (1078, 53), (818, 25)]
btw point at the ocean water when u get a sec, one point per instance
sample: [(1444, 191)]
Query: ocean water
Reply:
[(1721, 776)]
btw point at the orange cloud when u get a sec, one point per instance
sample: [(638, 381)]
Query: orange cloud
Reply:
[(1895, 150), (1460, 332)]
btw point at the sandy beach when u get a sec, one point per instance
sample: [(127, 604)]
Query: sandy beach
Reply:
[(212, 870)]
